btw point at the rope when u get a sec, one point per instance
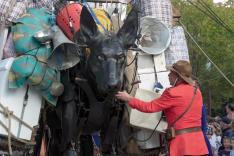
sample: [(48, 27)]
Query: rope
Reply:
[(219, 70), (17, 118), (135, 71), (134, 59), (9, 114), (14, 137)]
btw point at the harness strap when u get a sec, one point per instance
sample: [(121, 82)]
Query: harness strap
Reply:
[(97, 110), (186, 110), (187, 130), (83, 83)]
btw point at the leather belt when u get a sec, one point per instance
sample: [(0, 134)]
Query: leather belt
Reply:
[(187, 130)]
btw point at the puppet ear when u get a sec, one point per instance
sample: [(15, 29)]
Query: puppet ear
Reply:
[(128, 32), (88, 28)]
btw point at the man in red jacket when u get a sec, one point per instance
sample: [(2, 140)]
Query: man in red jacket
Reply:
[(174, 101)]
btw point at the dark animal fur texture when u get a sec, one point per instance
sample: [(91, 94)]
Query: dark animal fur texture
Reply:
[(80, 114)]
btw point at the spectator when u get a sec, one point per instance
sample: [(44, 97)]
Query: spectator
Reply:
[(226, 146), (232, 146), (230, 111), (227, 143), (215, 137), (226, 125)]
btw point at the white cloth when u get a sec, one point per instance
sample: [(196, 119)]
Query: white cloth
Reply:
[(161, 9), (215, 142), (232, 153), (177, 49)]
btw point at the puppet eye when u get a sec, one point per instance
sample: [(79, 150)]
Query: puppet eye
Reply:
[(121, 58), (101, 58)]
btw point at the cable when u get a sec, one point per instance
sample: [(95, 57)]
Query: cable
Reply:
[(214, 16), (206, 6), (150, 136), (224, 60), (201, 10), (152, 132), (219, 70), (211, 14), (215, 78)]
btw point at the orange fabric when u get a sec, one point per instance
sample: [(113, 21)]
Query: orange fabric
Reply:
[(173, 102), (188, 144), (43, 147)]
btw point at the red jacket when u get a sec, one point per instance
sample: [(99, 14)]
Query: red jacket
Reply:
[(173, 102)]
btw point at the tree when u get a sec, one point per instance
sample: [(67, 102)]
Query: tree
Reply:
[(217, 42), (229, 3)]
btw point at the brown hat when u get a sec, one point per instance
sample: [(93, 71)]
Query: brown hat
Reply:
[(184, 70)]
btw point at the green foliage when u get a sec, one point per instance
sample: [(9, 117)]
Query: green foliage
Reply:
[(230, 3), (218, 44)]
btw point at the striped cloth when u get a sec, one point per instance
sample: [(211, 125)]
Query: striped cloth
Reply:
[(161, 9), (178, 49), (9, 48), (11, 10), (47, 4)]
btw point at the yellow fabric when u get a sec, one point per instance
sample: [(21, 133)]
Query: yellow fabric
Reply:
[(102, 16)]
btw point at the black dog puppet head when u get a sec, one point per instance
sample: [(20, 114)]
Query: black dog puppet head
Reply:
[(107, 59)]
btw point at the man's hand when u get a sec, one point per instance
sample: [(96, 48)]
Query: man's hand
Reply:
[(124, 96)]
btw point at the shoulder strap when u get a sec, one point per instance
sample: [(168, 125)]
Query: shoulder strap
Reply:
[(186, 110)]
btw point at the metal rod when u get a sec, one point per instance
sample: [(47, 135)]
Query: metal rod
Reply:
[(25, 102), (135, 49), (104, 1)]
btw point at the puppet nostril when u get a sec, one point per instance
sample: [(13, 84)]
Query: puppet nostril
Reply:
[(111, 87), (112, 83)]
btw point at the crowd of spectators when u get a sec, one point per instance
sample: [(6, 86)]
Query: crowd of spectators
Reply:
[(220, 132)]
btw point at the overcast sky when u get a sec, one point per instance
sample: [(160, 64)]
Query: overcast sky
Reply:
[(216, 1)]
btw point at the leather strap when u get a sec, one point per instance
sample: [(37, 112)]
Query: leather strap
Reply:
[(186, 110), (187, 130)]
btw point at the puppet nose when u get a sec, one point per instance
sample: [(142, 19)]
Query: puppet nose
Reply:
[(112, 82), (113, 87), (112, 76)]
